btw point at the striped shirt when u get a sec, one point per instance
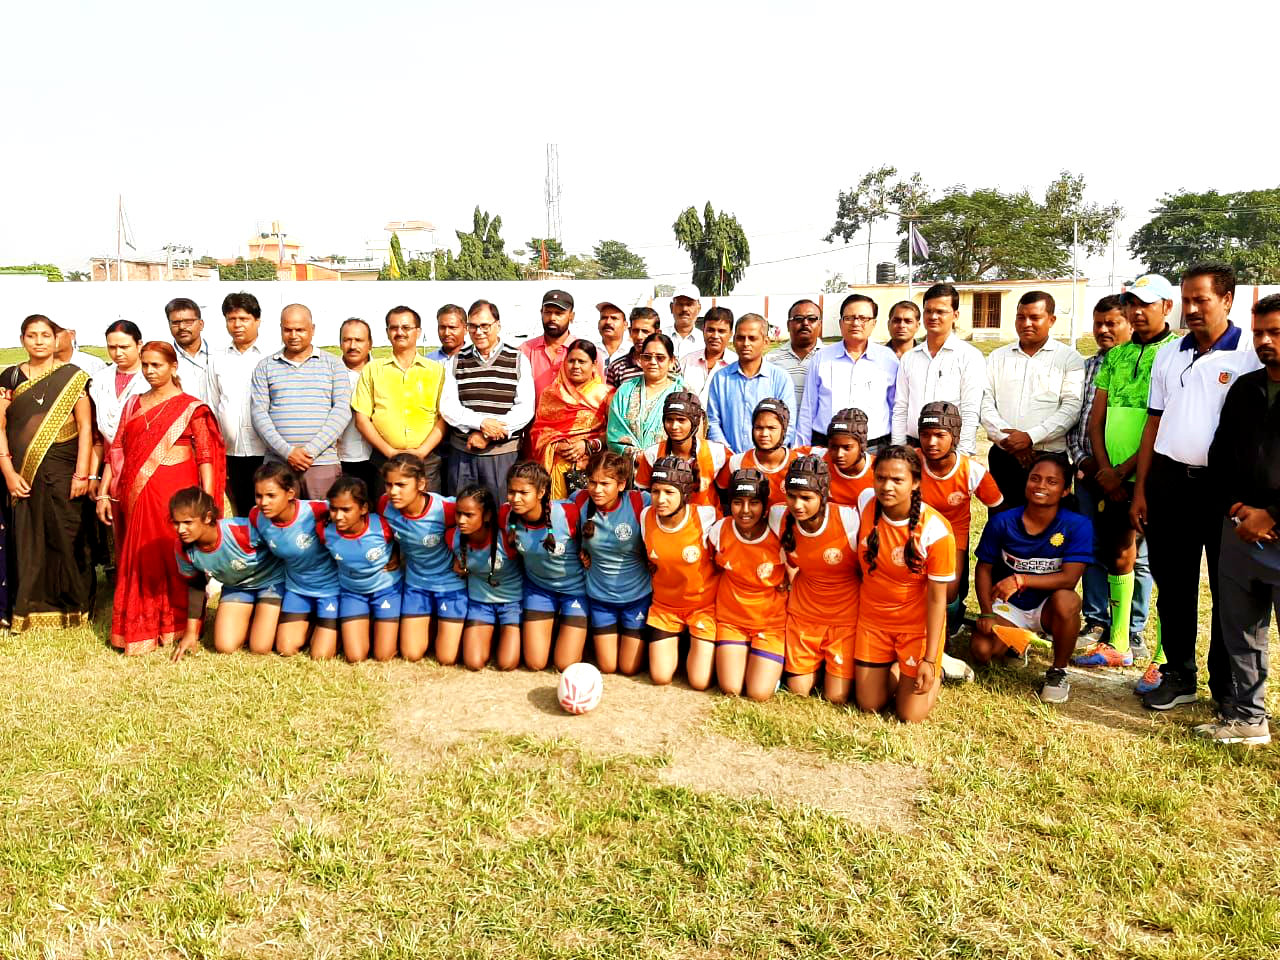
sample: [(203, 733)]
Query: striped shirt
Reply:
[(304, 403), (1079, 445)]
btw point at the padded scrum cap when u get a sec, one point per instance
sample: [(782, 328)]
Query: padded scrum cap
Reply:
[(749, 482), (939, 414), (809, 473), (852, 421), (684, 403), (676, 471), (777, 408)]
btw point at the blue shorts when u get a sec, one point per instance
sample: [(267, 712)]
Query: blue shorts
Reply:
[(503, 614), (322, 608), (442, 604), (630, 617), (271, 592), (540, 600), (383, 605)]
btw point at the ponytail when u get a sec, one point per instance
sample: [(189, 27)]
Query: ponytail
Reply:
[(911, 555), (789, 533)]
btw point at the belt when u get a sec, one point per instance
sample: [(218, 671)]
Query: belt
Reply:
[(1191, 471)]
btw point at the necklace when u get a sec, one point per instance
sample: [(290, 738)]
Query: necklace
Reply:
[(32, 376), (146, 421)]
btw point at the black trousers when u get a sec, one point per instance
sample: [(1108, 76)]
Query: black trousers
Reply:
[(240, 483), (364, 470), (432, 463), (1182, 524), (1010, 476)]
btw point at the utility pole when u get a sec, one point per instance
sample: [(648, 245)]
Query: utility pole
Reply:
[(1075, 269)]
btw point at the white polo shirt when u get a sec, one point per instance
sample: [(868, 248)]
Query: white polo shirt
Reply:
[(1189, 388)]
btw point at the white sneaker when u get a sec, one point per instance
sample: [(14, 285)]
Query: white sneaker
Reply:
[(956, 670)]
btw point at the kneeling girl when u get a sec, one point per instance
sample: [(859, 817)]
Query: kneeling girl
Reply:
[(485, 556), (363, 547)]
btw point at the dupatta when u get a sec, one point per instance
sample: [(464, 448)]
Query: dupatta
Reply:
[(635, 421), (144, 443), (567, 412), (40, 415)]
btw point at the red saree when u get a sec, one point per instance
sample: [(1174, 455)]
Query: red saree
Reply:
[(160, 452)]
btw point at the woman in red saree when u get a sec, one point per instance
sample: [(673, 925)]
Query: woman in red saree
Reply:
[(570, 421), (167, 440)]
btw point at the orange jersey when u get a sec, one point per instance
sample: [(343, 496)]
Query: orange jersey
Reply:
[(950, 495), (712, 457), (777, 476), (846, 487), (751, 573), (825, 590), (684, 574), (893, 597)]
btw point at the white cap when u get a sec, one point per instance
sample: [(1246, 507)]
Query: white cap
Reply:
[(687, 290), (1150, 288)]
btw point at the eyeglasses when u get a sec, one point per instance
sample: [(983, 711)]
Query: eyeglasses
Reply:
[(188, 322), (480, 327), (401, 329), (857, 319), (654, 358), (803, 318)]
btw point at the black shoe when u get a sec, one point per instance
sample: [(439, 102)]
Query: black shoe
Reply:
[(1173, 692)]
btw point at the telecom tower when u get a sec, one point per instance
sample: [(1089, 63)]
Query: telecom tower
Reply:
[(551, 192)]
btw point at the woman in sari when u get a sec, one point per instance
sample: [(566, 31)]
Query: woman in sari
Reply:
[(46, 442), (167, 440), (570, 422), (635, 413)]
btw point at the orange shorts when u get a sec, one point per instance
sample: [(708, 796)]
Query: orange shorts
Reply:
[(768, 643), (699, 621), (882, 648), (811, 644)]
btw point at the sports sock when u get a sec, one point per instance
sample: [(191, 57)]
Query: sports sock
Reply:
[(1157, 655), (1121, 607)]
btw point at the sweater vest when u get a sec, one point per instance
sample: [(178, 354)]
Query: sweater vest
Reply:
[(488, 389)]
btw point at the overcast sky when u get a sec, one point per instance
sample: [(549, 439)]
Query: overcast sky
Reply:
[(336, 117)]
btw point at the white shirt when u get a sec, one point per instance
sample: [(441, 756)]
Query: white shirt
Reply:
[(623, 349), (88, 363), (687, 343), (107, 407), (194, 371), (464, 418), (1189, 388), (1040, 395), (697, 375), (352, 446), (229, 390), (957, 374)]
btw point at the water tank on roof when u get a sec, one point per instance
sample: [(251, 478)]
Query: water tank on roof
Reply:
[(886, 273)]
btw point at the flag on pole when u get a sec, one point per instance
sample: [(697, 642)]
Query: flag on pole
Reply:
[(918, 245)]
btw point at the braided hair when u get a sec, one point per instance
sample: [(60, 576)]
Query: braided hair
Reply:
[(195, 501), (683, 403), (811, 474), (614, 465), (537, 477), (911, 555), (488, 518)]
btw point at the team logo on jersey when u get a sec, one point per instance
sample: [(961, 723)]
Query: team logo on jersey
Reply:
[(374, 554), (303, 540), (955, 498), (431, 540), (238, 564), (764, 571), (1224, 378), (899, 556), (556, 549), (690, 554), (1058, 539), (622, 531), (832, 556)]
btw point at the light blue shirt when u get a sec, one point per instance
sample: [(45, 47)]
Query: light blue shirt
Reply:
[(836, 380), (733, 396)]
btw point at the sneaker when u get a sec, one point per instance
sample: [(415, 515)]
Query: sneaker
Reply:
[(956, 670), (1149, 680), (1056, 689), (1223, 730), (1094, 634), (1103, 655), (1139, 650), (1172, 692)]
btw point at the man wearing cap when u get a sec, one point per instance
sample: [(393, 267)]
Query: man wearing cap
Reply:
[(685, 304), (613, 332), (697, 366), (735, 390), (804, 328), (546, 353), (1173, 492)]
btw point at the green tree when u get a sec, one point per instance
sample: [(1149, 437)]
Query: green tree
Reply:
[(483, 255), (395, 265), (1242, 229), (259, 268), (556, 256), (617, 262), (53, 273), (878, 195), (717, 248), (986, 233), (77, 275)]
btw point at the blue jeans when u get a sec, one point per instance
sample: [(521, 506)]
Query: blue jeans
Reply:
[(1097, 592)]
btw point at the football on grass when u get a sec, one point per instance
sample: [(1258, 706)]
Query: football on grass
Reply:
[(580, 688)]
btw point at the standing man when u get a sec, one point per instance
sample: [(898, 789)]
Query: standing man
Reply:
[(487, 400), (1173, 492), (697, 366), (852, 373), (301, 403), (904, 324), (451, 328), (396, 403), (230, 382), (1034, 389), (355, 337), (804, 328), (1244, 465), (941, 369), (735, 390), (187, 327), (613, 332), (685, 305), (644, 321), (66, 350), (546, 353)]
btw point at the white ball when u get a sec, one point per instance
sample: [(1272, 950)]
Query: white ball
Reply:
[(580, 688)]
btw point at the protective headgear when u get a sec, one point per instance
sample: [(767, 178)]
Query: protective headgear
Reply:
[(809, 473), (941, 415), (749, 482), (685, 404), (852, 421), (676, 471), (778, 409)]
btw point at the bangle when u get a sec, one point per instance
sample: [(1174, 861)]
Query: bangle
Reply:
[(931, 663), (76, 476), (1020, 582), (6, 456), (105, 496), (985, 616)]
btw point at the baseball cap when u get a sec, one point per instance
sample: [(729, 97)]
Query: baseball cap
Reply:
[(687, 290), (558, 298), (1151, 287), (603, 304)]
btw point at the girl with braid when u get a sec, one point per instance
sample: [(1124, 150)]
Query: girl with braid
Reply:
[(769, 423), (545, 533), (485, 556), (908, 559), (820, 539), (682, 419)]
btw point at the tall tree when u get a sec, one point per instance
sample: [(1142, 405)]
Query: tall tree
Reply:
[(395, 261), (617, 262), (1242, 229), (878, 195), (259, 268), (483, 255), (717, 247), (556, 256)]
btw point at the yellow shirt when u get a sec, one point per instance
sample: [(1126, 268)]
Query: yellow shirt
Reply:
[(403, 404)]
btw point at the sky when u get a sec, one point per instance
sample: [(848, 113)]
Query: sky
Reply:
[(334, 118)]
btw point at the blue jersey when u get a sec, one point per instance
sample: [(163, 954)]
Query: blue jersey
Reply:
[(428, 562), (508, 581), (1007, 546), (362, 557), (619, 571), (238, 559), (309, 571), (551, 564)]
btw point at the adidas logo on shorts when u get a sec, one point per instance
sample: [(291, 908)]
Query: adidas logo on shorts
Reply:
[(386, 605)]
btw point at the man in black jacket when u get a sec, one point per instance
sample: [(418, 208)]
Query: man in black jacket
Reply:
[(1244, 462)]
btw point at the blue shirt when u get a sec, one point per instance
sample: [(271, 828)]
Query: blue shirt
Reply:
[(1007, 546), (834, 381), (239, 558), (440, 356), (362, 557), (428, 562), (507, 584), (552, 565), (309, 571), (619, 571), (733, 396)]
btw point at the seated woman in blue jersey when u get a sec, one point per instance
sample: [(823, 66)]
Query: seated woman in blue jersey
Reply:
[(1029, 562), (485, 556), (231, 552), (368, 572), (635, 412), (545, 533), (293, 530)]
